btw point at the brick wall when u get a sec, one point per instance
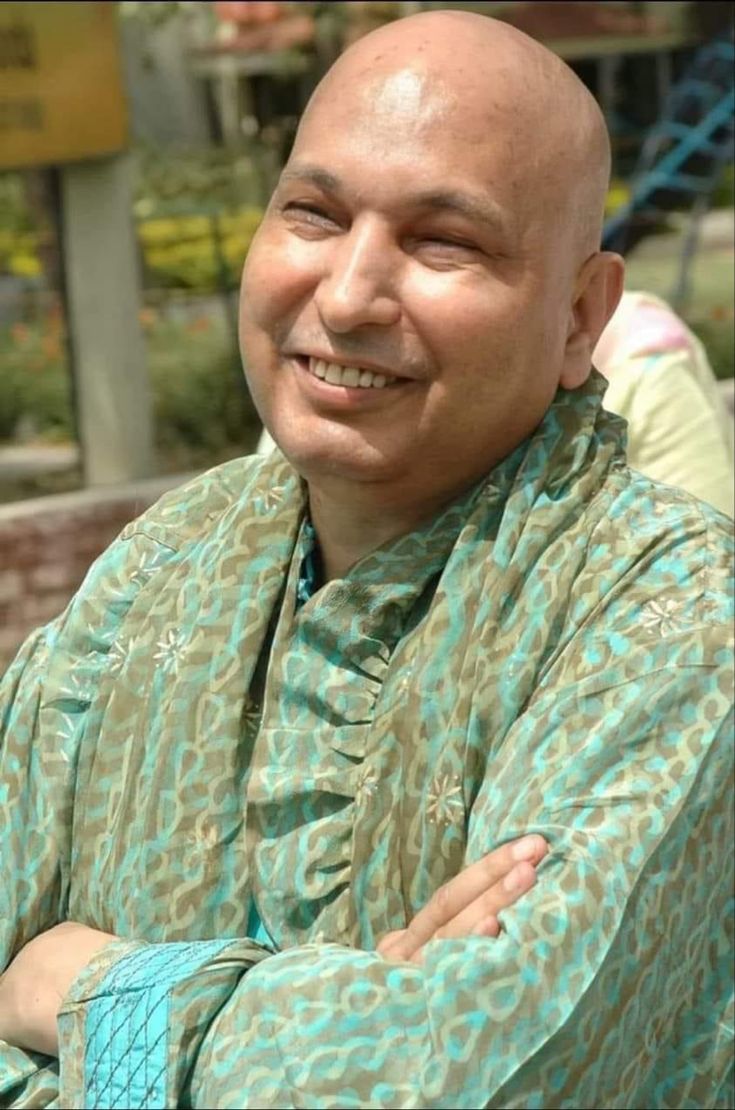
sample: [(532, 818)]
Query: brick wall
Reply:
[(47, 545)]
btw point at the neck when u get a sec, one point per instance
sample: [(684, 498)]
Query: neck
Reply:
[(351, 523)]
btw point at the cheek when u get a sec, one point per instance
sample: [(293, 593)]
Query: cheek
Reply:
[(279, 274), (258, 318), (469, 324), (476, 299)]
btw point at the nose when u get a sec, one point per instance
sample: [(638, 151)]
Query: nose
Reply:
[(358, 285)]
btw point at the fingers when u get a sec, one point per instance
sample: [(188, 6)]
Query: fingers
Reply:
[(490, 903), (388, 942), (479, 892), (480, 918), (485, 927)]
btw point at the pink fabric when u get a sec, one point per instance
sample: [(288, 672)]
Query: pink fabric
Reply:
[(640, 327), (653, 330)]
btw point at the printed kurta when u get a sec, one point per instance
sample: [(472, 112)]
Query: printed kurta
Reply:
[(549, 655)]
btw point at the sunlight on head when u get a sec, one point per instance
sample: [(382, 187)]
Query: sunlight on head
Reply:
[(438, 222), (492, 84)]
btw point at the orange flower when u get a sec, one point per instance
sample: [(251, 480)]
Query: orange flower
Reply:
[(51, 346), (55, 320)]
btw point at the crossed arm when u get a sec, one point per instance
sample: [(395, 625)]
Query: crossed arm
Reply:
[(632, 893), (36, 982), (625, 788)]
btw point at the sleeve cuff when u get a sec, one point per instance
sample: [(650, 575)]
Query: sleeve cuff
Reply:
[(114, 1024)]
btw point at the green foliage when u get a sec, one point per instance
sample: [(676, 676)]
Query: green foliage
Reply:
[(195, 214), (201, 405), (718, 337), (200, 400), (34, 386), (200, 253), (19, 239), (724, 194), (15, 214), (181, 181)]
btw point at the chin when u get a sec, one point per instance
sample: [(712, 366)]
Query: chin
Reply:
[(317, 457)]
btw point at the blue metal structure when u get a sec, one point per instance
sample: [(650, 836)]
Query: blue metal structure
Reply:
[(683, 156)]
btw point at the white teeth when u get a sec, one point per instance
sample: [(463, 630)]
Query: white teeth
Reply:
[(349, 376)]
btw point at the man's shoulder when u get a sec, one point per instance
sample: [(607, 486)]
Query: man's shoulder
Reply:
[(187, 513), (209, 508), (654, 512), (654, 545), (641, 584), (188, 522)]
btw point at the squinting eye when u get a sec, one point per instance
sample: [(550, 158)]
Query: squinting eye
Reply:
[(310, 208), (309, 213), (436, 251), (436, 240)]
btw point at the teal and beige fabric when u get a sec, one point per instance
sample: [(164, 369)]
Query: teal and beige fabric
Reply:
[(251, 789)]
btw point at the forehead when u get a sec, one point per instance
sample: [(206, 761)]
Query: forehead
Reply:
[(407, 132), (409, 102), (407, 98)]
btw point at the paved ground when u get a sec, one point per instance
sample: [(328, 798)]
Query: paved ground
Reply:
[(655, 262), (23, 460)]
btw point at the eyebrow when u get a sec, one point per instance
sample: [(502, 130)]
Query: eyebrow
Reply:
[(475, 208), (315, 175)]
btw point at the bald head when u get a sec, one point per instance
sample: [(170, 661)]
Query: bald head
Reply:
[(494, 85), (428, 273)]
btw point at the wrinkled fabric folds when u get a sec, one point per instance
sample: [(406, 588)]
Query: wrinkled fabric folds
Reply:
[(549, 654)]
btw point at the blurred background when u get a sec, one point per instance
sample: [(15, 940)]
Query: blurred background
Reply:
[(139, 143)]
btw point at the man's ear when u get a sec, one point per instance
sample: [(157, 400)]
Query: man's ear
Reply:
[(598, 289)]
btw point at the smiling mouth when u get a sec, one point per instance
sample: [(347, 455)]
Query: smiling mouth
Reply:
[(352, 377)]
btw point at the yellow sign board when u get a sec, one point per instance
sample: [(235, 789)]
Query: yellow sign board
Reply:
[(61, 87)]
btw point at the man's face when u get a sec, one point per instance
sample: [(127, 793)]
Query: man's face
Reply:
[(404, 309)]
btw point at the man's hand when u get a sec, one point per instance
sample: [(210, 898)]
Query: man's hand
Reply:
[(469, 904), (34, 985)]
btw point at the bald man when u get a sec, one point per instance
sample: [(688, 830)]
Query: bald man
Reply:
[(391, 770)]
